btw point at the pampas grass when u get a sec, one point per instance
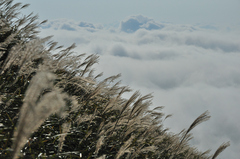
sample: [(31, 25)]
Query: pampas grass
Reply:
[(125, 148), (65, 129), (36, 108), (220, 149)]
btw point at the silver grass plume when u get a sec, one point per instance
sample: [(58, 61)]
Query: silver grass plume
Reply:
[(23, 55), (65, 129), (205, 153), (34, 110), (126, 105), (203, 117), (125, 148), (220, 149), (99, 144)]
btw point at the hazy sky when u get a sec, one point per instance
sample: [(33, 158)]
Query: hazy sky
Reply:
[(109, 11), (171, 48)]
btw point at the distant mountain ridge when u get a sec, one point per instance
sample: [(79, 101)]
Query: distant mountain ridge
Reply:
[(130, 25)]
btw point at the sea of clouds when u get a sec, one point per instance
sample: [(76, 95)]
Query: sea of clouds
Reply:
[(188, 68)]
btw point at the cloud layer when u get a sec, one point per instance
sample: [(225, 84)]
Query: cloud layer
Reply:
[(189, 69)]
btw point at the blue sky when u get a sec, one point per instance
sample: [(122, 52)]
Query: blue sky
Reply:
[(185, 52), (217, 12)]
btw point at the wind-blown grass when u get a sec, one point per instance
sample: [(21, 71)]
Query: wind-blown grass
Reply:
[(37, 108), (53, 106)]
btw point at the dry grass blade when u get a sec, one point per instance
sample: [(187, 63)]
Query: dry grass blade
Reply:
[(34, 110), (138, 106), (220, 149), (206, 152), (64, 53), (99, 75), (126, 105), (203, 117), (25, 6), (124, 90), (130, 101), (92, 61), (168, 116), (111, 78)]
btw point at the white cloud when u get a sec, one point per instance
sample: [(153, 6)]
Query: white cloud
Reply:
[(189, 69)]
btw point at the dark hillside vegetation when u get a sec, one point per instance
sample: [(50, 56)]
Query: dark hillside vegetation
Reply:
[(53, 106)]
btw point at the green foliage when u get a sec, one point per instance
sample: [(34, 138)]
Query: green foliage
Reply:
[(95, 122)]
